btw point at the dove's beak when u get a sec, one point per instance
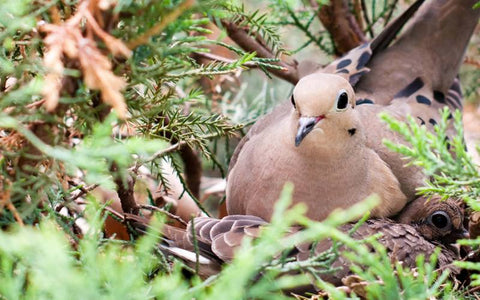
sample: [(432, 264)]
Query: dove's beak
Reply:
[(305, 125)]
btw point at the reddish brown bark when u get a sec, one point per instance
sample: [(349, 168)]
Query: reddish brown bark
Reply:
[(341, 24)]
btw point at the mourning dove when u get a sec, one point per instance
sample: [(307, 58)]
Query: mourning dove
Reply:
[(327, 140), (418, 229)]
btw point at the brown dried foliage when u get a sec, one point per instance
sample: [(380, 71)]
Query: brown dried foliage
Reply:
[(76, 39), (6, 202)]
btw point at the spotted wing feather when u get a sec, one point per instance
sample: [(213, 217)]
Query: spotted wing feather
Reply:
[(402, 242), (353, 65)]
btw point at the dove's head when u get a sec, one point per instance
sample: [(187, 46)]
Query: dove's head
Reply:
[(435, 220), (324, 106)]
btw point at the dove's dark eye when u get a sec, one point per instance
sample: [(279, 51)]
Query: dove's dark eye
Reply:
[(293, 101), (440, 219), (342, 100)]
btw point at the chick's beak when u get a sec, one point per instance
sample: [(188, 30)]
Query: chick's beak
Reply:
[(455, 235), (305, 125), (464, 234)]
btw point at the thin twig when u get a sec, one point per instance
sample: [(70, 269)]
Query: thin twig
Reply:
[(15, 213), (158, 154), (195, 246), (366, 18), (107, 208), (35, 104), (169, 214), (126, 193), (390, 13), (243, 39), (165, 151), (472, 61), (215, 57), (158, 28), (83, 191), (5, 201), (472, 290)]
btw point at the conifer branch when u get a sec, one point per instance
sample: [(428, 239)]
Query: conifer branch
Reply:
[(248, 43), (158, 28)]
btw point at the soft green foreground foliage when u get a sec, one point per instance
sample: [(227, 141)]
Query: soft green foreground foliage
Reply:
[(451, 169), (40, 263)]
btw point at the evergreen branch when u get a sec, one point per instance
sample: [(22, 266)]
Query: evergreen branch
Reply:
[(386, 13), (83, 190), (165, 151), (445, 160), (177, 169), (158, 28), (5, 201), (258, 26), (195, 246), (249, 44), (215, 68), (390, 12), (366, 18), (222, 59), (163, 211), (305, 29)]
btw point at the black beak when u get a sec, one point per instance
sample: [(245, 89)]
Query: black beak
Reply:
[(463, 234), (305, 125), (455, 235)]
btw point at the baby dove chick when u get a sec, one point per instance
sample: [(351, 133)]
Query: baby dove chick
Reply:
[(435, 220), (418, 230)]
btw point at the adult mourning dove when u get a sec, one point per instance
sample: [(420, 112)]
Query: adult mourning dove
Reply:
[(328, 140), (418, 229)]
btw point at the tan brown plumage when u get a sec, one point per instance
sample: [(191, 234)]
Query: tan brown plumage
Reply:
[(418, 229), (329, 142)]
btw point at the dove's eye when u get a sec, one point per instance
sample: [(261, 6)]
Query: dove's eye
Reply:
[(342, 100), (440, 219)]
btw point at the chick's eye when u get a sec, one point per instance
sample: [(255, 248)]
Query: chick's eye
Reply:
[(440, 219), (342, 100), (293, 101)]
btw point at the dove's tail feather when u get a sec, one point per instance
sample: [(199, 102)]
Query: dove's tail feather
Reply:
[(444, 41), (384, 39), (430, 49), (354, 64), (174, 242)]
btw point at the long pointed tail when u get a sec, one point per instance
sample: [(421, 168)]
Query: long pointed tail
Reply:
[(431, 48)]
